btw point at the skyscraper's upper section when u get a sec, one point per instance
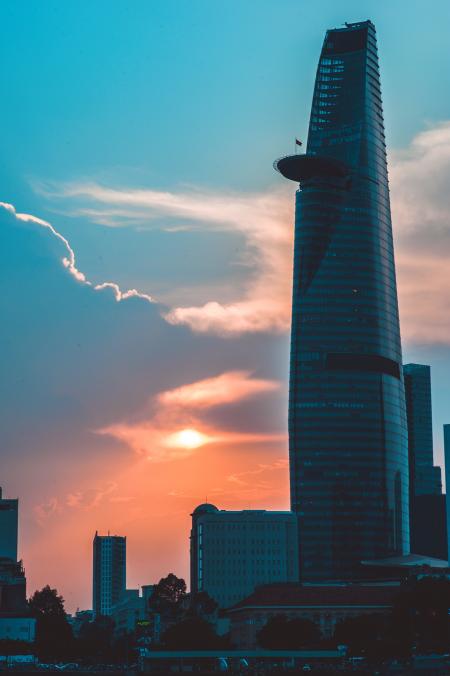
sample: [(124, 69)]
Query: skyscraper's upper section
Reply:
[(346, 105), (346, 117)]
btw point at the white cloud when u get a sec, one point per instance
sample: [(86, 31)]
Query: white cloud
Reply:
[(263, 219), (420, 197), (69, 259)]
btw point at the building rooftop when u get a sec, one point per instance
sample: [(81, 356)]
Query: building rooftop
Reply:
[(293, 594), (407, 561)]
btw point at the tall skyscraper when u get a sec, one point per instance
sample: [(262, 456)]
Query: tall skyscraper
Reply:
[(424, 477), (109, 572), (428, 521), (8, 528), (447, 482), (347, 420), (234, 551)]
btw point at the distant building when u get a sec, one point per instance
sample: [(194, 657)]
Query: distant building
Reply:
[(234, 551), (109, 572), (80, 618), (8, 528), (426, 502), (326, 605), (424, 477), (447, 482), (15, 621), (128, 611)]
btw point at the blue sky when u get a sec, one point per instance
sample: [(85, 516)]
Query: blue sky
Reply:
[(145, 133)]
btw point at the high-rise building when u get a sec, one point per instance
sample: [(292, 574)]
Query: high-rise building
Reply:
[(109, 572), (347, 420), (447, 483), (234, 551), (424, 477), (15, 620), (428, 522), (8, 528)]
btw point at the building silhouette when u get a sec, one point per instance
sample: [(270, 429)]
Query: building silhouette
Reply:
[(109, 572), (447, 483), (347, 420), (426, 504), (424, 477), (8, 528), (15, 620), (234, 551)]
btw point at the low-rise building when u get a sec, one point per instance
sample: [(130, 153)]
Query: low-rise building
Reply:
[(326, 605), (17, 628), (128, 611), (234, 551)]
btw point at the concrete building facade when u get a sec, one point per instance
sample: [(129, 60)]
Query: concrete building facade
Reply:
[(234, 551)]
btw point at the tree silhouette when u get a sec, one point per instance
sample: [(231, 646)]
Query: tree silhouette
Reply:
[(420, 614), (54, 638), (168, 596), (282, 633), (192, 633), (95, 638)]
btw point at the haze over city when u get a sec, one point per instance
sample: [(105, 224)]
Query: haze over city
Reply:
[(147, 255)]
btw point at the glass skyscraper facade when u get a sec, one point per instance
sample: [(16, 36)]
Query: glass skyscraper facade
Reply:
[(348, 441), (424, 476)]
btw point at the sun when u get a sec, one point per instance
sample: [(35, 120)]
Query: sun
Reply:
[(188, 438)]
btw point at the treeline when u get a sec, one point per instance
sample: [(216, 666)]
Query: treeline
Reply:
[(418, 622)]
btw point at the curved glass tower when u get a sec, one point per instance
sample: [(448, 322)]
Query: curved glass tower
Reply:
[(347, 422)]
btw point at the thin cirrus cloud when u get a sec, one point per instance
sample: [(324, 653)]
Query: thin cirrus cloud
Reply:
[(225, 388), (263, 219), (175, 430), (68, 260)]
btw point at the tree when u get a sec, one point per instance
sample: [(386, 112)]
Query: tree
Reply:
[(203, 605), (282, 633), (95, 638), (192, 633), (168, 596), (54, 638), (420, 614), (367, 634)]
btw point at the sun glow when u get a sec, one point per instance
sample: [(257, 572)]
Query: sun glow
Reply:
[(188, 438)]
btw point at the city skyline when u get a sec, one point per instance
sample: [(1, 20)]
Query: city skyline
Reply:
[(95, 387)]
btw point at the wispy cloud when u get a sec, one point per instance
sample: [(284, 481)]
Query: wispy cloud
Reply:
[(175, 428), (225, 388), (263, 219), (91, 497), (68, 260), (419, 178), (45, 510)]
